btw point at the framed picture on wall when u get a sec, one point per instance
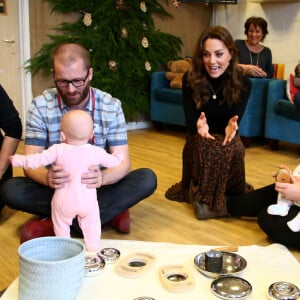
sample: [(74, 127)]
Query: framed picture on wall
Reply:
[(2, 7)]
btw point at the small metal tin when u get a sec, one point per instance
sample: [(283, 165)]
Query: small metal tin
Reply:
[(93, 265), (231, 287), (282, 290), (144, 298), (213, 261), (110, 255)]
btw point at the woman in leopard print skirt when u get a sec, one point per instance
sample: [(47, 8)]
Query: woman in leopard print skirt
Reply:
[(215, 95)]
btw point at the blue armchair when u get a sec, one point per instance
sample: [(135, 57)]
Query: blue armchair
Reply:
[(165, 103), (252, 123), (282, 122)]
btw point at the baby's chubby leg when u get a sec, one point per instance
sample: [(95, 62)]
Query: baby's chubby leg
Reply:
[(90, 225), (61, 223)]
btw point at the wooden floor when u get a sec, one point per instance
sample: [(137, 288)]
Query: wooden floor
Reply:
[(160, 220)]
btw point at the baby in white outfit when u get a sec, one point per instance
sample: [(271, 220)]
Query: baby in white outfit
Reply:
[(283, 205)]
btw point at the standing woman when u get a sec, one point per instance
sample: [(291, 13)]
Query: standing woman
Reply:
[(215, 94), (254, 58), (11, 126)]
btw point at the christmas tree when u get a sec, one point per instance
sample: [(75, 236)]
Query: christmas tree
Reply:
[(124, 44)]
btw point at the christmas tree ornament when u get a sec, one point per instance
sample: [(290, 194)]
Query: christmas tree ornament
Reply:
[(176, 3), (124, 33), (120, 4), (143, 7), (87, 19), (147, 65), (145, 42), (112, 65)]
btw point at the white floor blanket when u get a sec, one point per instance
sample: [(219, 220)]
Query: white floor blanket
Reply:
[(265, 265)]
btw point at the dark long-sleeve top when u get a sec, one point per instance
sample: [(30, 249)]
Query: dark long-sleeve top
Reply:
[(263, 59), (217, 115), (10, 122)]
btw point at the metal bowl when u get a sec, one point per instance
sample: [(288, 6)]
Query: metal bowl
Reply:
[(233, 264), (231, 287)]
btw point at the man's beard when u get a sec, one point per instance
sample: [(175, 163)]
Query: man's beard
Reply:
[(74, 98)]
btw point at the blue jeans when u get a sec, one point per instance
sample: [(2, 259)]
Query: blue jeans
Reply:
[(7, 175), (21, 193)]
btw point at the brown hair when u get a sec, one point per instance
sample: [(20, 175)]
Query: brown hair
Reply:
[(68, 53), (297, 70), (257, 22), (198, 77)]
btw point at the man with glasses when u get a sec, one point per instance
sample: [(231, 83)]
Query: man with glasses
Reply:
[(118, 188)]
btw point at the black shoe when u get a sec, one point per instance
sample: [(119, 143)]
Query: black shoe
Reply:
[(203, 211)]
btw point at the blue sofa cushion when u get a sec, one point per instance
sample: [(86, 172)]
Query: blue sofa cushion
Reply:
[(169, 95), (287, 109)]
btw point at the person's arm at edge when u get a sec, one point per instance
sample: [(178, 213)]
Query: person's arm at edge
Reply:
[(39, 175), (246, 69), (9, 147)]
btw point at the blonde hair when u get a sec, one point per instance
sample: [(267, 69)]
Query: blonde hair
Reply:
[(77, 126)]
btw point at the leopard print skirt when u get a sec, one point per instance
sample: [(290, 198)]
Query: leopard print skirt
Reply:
[(210, 171)]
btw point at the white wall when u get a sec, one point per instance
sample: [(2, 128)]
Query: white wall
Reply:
[(283, 24)]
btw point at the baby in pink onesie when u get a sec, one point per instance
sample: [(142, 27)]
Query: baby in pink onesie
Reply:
[(75, 154)]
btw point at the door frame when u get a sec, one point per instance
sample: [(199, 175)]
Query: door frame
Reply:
[(24, 50)]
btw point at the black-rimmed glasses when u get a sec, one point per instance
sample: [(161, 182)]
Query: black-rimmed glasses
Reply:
[(77, 82)]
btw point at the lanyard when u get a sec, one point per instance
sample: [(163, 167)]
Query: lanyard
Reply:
[(92, 93)]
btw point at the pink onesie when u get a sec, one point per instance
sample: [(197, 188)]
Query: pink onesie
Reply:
[(74, 199)]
